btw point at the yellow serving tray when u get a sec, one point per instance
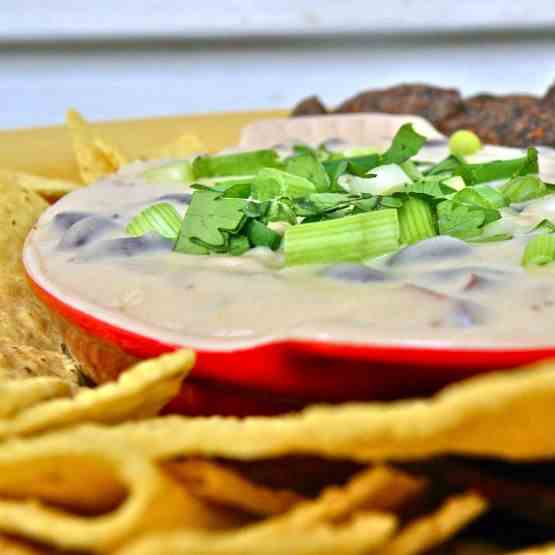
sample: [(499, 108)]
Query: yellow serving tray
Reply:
[(47, 150)]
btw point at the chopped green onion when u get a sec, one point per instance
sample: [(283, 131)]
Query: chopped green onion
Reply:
[(358, 151), (261, 235), (464, 142), (540, 250), (181, 171), (544, 225), (310, 168), (504, 169), (162, 218), (238, 244), (416, 221), (352, 238), (243, 163), (270, 183), (523, 188)]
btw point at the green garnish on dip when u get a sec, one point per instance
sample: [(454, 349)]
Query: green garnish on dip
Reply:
[(318, 206)]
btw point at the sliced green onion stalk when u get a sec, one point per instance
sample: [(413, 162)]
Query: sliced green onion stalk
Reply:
[(416, 221), (243, 163), (351, 238), (523, 188), (181, 171), (162, 218), (540, 250)]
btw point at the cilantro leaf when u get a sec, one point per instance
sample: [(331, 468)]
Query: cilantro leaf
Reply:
[(309, 167), (206, 221), (238, 244), (270, 183), (261, 235), (459, 220), (430, 186), (406, 143), (480, 195)]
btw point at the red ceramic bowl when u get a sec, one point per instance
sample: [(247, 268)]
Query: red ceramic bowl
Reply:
[(281, 375)]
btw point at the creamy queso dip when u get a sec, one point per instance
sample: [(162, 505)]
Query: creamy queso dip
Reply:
[(440, 292)]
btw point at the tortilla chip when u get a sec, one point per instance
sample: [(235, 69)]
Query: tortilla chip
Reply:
[(433, 530), (92, 496), (13, 546), (19, 210), (48, 188), (214, 482), (140, 392), (22, 394), (341, 520), (378, 489), (23, 362), (364, 534), (183, 146), (24, 321), (461, 419), (95, 156)]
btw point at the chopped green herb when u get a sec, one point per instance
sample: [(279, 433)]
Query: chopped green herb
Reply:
[(310, 168), (270, 183), (544, 225), (462, 220), (480, 195), (208, 221), (243, 163), (261, 235), (523, 188), (162, 218), (406, 143), (238, 245)]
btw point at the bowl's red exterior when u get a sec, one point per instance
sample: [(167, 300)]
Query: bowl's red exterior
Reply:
[(282, 374)]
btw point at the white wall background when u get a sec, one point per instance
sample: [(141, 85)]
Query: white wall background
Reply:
[(130, 59)]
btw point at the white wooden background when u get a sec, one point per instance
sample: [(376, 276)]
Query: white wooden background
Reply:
[(130, 59)]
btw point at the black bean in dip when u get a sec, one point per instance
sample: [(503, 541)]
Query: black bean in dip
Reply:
[(311, 106), (432, 103)]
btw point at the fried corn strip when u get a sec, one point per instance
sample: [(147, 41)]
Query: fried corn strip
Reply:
[(92, 497), (432, 530), (359, 537), (461, 419), (18, 395), (140, 392), (214, 482)]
